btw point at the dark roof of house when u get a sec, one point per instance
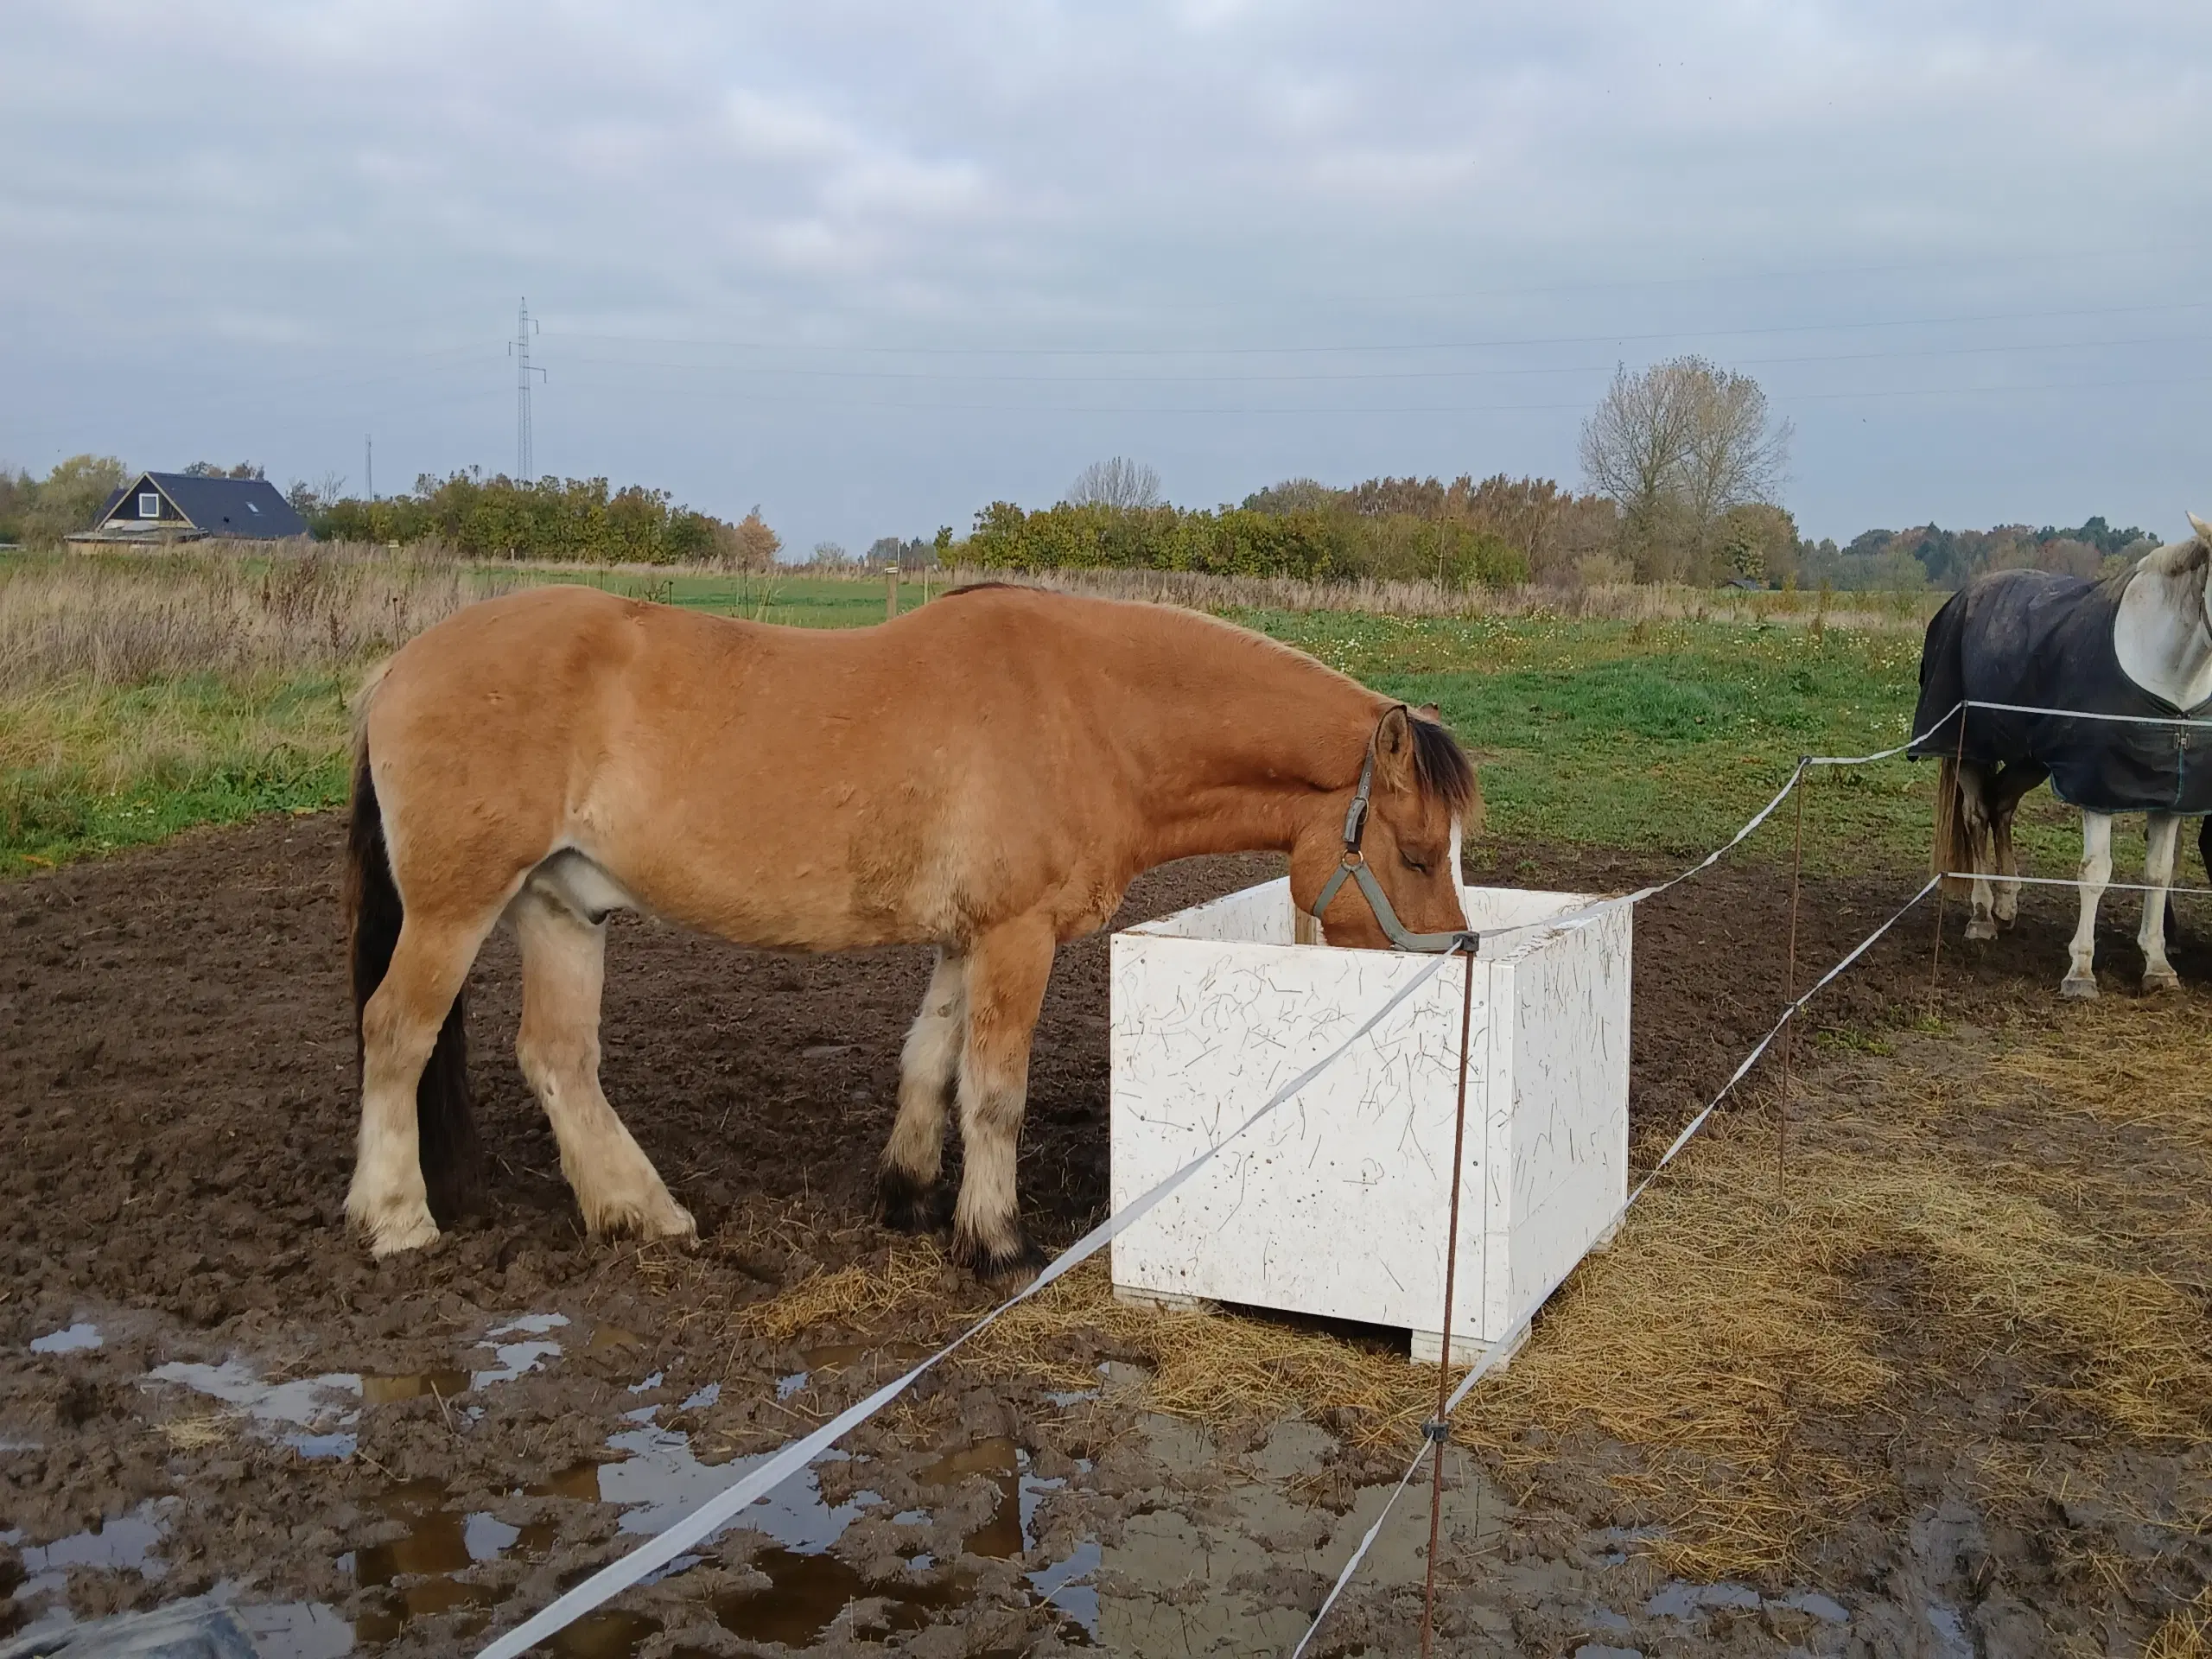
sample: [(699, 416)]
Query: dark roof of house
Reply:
[(252, 508)]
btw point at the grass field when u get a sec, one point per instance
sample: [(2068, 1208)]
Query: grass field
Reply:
[(140, 696)]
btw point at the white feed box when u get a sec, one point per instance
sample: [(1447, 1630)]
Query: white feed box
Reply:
[(1339, 1203)]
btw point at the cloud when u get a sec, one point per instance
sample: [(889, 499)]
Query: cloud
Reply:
[(235, 225)]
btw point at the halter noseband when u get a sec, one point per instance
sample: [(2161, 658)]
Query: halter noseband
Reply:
[(1354, 868)]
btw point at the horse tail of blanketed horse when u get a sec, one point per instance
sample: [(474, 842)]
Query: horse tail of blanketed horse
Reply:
[(1953, 849), (447, 1132)]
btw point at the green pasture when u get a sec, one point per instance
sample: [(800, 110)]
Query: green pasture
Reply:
[(1663, 736)]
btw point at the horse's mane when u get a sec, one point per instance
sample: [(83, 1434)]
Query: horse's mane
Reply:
[(2174, 559), (1441, 768)]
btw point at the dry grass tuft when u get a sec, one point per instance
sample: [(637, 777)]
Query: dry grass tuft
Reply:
[(1218, 1368), (2132, 1064), (849, 1296), (2186, 1633), (196, 1433), (116, 621)]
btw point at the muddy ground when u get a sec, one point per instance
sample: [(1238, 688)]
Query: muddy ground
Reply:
[(205, 1388)]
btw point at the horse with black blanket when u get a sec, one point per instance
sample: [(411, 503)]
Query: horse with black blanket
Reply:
[(2135, 649)]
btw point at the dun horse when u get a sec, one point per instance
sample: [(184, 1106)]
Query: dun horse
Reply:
[(2137, 648), (985, 775)]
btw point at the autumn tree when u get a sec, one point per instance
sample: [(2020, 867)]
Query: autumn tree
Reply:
[(749, 544), (1678, 446), (67, 498)]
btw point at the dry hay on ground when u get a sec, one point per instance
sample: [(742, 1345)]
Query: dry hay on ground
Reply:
[(1765, 1372), (2186, 1633)]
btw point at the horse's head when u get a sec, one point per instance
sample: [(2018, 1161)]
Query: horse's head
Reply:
[(1419, 792)]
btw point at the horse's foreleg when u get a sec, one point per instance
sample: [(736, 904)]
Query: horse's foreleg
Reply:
[(2096, 870), (388, 1200), (563, 974), (2162, 834), (1006, 970), (907, 1181)]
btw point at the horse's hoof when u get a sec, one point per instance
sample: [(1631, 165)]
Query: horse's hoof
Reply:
[(1981, 927), (2169, 981), (1006, 1265), (649, 1217), (907, 1206), (394, 1230), (2082, 987)]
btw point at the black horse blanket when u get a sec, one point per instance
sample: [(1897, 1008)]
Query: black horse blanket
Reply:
[(2044, 641)]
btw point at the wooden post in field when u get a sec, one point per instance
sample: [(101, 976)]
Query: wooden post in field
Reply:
[(891, 594)]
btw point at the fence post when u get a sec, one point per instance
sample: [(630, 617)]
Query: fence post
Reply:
[(891, 594)]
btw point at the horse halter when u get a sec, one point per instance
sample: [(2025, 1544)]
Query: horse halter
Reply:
[(1354, 868)]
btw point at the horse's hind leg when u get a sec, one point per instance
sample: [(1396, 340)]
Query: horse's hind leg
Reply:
[(1975, 794), (563, 971), (2013, 786), (1007, 971), (907, 1187), (2162, 835), (388, 1200), (2096, 870)]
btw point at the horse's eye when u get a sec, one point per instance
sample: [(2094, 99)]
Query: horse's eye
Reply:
[(1417, 866)]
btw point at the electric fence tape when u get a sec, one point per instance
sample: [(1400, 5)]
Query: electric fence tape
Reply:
[(1491, 1353), (720, 1510)]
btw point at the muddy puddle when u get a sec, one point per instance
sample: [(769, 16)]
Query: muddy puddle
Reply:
[(657, 1478), (436, 1557)]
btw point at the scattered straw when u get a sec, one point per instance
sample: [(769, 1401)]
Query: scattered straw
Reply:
[(1758, 1373), (2186, 1634), (1215, 1367), (850, 1296), (196, 1433)]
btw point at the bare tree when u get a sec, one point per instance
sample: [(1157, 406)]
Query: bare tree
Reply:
[(1677, 445), (1121, 483), (1737, 454)]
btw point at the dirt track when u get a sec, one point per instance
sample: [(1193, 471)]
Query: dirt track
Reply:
[(176, 1110)]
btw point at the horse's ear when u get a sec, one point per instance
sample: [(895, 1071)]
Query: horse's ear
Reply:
[(1430, 713), (1393, 750), (2203, 531)]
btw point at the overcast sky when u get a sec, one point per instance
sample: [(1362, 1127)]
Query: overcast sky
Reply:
[(873, 265)]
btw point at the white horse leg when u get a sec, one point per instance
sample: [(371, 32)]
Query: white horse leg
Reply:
[(907, 1181), (2096, 870), (1974, 813), (1007, 971), (563, 973), (2162, 835)]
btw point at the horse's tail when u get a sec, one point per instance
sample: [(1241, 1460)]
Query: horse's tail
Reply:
[(1954, 849), (445, 1129)]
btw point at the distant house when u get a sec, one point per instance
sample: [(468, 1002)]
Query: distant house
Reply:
[(186, 507)]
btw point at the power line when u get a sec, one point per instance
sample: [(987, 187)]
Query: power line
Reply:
[(1631, 285), (1367, 374), (1034, 409), (1500, 342)]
